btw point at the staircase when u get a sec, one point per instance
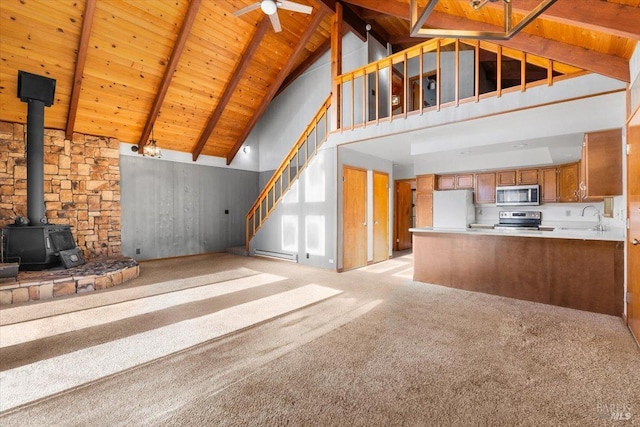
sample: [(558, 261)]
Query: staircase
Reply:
[(289, 170)]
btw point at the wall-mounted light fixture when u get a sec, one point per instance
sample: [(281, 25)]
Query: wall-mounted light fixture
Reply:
[(246, 149), (395, 100)]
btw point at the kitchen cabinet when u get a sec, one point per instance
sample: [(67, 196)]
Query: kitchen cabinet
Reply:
[(506, 178), (464, 181), (424, 200), (446, 182), (485, 190), (568, 182), (601, 171), (549, 185), (527, 176)]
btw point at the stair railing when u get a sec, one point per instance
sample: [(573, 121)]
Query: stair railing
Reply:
[(289, 170)]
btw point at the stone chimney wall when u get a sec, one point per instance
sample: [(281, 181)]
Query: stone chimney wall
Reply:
[(82, 185)]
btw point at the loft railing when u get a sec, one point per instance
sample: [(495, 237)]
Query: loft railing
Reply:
[(298, 157), (440, 73)]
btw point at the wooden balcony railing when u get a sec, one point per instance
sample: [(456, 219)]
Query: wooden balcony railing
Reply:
[(298, 157), (439, 73)]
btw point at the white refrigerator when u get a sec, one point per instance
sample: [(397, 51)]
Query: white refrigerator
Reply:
[(453, 209)]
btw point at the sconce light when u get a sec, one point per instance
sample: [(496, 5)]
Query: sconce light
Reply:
[(395, 100), (431, 84), (246, 149)]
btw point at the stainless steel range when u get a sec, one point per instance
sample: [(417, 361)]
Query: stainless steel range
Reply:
[(519, 220)]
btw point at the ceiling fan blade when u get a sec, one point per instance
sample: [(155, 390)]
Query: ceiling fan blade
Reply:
[(247, 9), (275, 21), (294, 7)]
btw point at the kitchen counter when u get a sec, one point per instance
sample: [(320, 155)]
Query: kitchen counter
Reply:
[(578, 233), (575, 268)]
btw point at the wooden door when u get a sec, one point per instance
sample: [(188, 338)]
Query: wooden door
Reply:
[(354, 218), (633, 235), (380, 216), (402, 213)]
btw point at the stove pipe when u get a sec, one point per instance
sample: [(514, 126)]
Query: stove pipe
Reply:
[(38, 92)]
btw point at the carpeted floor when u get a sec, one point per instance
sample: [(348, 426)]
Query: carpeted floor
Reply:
[(386, 351)]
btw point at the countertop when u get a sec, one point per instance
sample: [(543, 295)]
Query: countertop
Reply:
[(577, 233)]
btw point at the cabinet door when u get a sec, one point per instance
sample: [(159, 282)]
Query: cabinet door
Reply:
[(425, 183), (549, 185), (602, 165), (506, 178), (568, 181), (424, 210), (528, 176), (464, 181), (485, 191), (446, 182)]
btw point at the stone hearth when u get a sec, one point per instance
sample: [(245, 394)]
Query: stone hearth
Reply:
[(99, 273)]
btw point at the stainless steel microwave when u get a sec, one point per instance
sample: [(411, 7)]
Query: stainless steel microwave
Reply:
[(518, 195)]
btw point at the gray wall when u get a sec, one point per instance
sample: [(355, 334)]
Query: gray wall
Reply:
[(173, 209), (304, 222)]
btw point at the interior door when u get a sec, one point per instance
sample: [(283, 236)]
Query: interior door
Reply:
[(380, 216), (354, 218), (633, 235), (402, 212)]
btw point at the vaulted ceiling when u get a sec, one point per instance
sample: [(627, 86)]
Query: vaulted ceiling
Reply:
[(199, 77)]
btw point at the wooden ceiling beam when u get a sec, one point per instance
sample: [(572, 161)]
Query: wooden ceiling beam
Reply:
[(284, 72), (395, 8), (236, 77), (600, 63), (300, 69), (596, 15), (187, 23), (81, 58)]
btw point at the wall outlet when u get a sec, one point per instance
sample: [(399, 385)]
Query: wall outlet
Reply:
[(567, 212), (330, 261), (138, 251)]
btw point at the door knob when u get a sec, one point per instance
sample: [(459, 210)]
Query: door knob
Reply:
[(635, 242)]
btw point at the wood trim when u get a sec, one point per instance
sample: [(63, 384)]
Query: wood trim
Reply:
[(178, 47), (336, 66), (236, 76), (284, 71), (81, 59)]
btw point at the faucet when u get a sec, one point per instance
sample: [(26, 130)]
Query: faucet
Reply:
[(599, 226)]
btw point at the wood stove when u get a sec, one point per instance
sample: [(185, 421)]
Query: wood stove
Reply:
[(35, 242)]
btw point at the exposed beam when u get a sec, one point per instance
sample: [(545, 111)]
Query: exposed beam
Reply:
[(611, 18), (354, 22), (236, 76), (600, 63), (187, 23), (284, 72), (300, 69), (81, 58), (396, 8)]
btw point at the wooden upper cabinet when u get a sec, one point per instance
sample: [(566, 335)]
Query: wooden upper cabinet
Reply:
[(601, 172), (425, 183), (464, 181), (549, 185), (446, 182), (424, 200), (568, 181), (506, 178), (527, 176), (485, 191)]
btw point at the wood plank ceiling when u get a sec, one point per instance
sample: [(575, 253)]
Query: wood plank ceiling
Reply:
[(200, 77)]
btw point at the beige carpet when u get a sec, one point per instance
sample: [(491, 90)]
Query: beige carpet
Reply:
[(398, 353)]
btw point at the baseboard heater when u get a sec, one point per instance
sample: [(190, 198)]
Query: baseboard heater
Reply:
[(287, 256)]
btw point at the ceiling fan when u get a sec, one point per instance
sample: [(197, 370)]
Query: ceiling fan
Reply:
[(270, 8)]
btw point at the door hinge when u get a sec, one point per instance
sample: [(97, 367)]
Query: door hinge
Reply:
[(627, 298), (628, 149), (628, 223)]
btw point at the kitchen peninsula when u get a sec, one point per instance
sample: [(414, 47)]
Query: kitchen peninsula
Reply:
[(581, 269)]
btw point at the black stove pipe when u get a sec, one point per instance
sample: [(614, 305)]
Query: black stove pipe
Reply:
[(35, 163), (38, 92)]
